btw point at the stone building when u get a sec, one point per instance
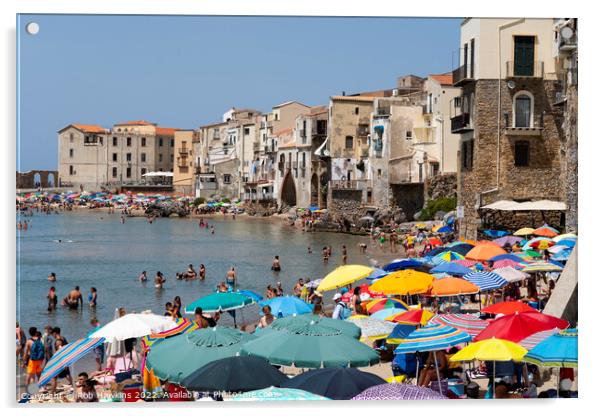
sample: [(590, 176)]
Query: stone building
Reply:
[(184, 161), (510, 131)]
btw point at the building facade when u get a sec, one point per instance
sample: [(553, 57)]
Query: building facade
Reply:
[(184, 161)]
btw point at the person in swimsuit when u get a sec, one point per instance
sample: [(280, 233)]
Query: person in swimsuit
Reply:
[(177, 306), (52, 277), (344, 254), (93, 297), (267, 317), (190, 273), (308, 249), (231, 277), (143, 277), (199, 319), (356, 302), (269, 292), (52, 299), (325, 254), (202, 272), (73, 299), (276, 264), (212, 229), (159, 280)]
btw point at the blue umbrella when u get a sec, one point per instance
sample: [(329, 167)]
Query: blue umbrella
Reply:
[(454, 269), (445, 229), (507, 257), (287, 305), (558, 350), (67, 356), (496, 233), (385, 313), (433, 337), (401, 331), (568, 242), (377, 274), (486, 281), (402, 264), (562, 255), (253, 295)]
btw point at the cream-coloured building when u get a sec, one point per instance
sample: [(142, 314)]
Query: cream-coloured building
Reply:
[(184, 161)]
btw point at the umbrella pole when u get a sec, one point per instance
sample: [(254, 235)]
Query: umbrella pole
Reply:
[(558, 387), (494, 379), (417, 367), (437, 371), (72, 371)]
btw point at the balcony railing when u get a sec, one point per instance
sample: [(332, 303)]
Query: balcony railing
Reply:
[(183, 150), (383, 111), (461, 123), (514, 70), (567, 45), (354, 184), (462, 75)]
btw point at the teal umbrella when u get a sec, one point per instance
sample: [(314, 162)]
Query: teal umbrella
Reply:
[(275, 393), (311, 346), (220, 302), (177, 357), (291, 323)]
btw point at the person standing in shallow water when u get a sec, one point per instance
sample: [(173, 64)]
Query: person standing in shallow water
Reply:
[(276, 264), (202, 272), (52, 299), (344, 254), (159, 280), (231, 277)]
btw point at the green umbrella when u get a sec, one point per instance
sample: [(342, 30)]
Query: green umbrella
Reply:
[(290, 323), (311, 346), (177, 357), (220, 302)]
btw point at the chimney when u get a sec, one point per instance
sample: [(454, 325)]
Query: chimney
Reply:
[(343, 93)]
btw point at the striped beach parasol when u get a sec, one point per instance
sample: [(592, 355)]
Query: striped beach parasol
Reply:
[(486, 281), (467, 322), (67, 356), (384, 303), (450, 256), (433, 337), (466, 262), (532, 340), (507, 263), (557, 350), (541, 266), (396, 391)]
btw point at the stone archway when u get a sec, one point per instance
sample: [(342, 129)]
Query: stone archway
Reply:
[(315, 190), (37, 180), (288, 195), (50, 180)]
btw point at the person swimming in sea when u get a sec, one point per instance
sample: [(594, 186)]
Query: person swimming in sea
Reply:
[(52, 277), (212, 229), (159, 280), (276, 264), (73, 299), (202, 272), (143, 277), (52, 299)]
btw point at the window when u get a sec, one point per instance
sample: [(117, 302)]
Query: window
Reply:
[(247, 131), (143, 142), (276, 116), (128, 172), (160, 157), (379, 173), (357, 110), (408, 134), (524, 53), (160, 142), (128, 141), (114, 157), (142, 171), (114, 172), (434, 169), (521, 154), (71, 171), (472, 58), (171, 143), (71, 137), (227, 178), (70, 152), (467, 154), (143, 157), (523, 109), (114, 141), (128, 157), (349, 142)]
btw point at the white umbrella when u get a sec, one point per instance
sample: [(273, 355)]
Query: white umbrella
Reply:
[(134, 325), (372, 327), (511, 274)]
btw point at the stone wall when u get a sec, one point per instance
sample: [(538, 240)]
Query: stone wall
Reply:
[(345, 203), (409, 197), (47, 178), (539, 180), (571, 158), (441, 186)]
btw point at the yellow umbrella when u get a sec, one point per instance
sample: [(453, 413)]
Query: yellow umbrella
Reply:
[(343, 276), (404, 282), (524, 231)]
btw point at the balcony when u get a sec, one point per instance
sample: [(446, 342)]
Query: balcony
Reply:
[(516, 70), (568, 45), (462, 75), (461, 123), (363, 131), (183, 150), (302, 133), (383, 112)]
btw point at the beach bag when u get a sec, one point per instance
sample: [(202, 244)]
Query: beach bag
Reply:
[(37, 350), (345, 311)]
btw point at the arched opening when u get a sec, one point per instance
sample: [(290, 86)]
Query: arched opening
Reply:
[(50, 180), (315, 190), (37, 180), (289, 194)]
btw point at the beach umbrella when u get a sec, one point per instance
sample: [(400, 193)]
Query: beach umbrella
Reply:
[(413, 317), (435, 241), (520, 325), (256, 297), (472, 324), (401, 264), (313, 284), (311, 346), (558, 248), (507, 256), (287, 305), (397, 391), (567, 243), (334, 383), (541, 266), (343, 276), (483, 252), (496, 233), (511, 275), (403, 282), (276, 394), (557, 350), (459, 247), (486, 281), (507, 263), (371, 328), (292, 323), (377, 274), (183, 325), (466, 263), (562, 255), (385, 303), (234, 374), (134, 325), (453, 269), (400, 332), (177, 357), (385, 313), (546, 231), (491, 350), (524, 231), (569, 236), (66, 356), (533, 340), (509, 239), (508, 308), (530, 254), (541, 244), (452, 286), (450, 256), (445, 229), (219, 302)]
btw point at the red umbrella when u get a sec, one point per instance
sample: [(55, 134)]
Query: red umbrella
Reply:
[(508, 307), (519, 325), (434, 241), (507, 263)]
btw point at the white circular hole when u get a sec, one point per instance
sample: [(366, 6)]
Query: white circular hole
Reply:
[(32, 28)]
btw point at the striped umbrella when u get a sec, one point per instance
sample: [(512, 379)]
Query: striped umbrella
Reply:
[(557, 350), (531, 341), (67, 356), (184, 325), (467, 322), (511, 275), (569, 236), (486, 281), (562, 255), (450, 256), (384, 303), (396, 391), (542, 266), (466, 262), (507, 263)]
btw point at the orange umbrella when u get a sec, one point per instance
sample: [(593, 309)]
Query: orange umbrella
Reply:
[(484, 252), (471, 242), (404, 282), (413, 317), (452, 286), (545, 231), (434, 241)]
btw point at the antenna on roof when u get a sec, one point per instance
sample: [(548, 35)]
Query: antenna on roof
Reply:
[(343, 93)]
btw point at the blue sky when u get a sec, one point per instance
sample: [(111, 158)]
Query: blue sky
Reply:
[(185, 71)]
